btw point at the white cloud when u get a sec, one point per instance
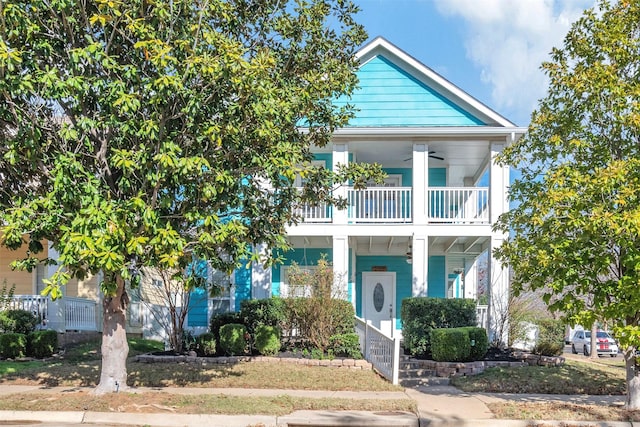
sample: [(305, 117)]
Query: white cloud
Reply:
[(509, 39)]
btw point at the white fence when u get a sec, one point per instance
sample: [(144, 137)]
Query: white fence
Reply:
[(67, 313), (381, 351), (482, 315)]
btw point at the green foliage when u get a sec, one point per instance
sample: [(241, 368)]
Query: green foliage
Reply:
[(206, 344), (41, 344), (550, 337), (258, 312), (479, 342), (267, 340), (233, 339), (18, 321), (13, 345), (219, 320), (141, 134), (450, 345), (574, 227), (345, 345), (6, 295), (419, 315)]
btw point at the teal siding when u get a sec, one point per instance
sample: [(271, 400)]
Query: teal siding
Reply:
[(297, 255), (437, 177), (198, 308), (393, 263), (242, 278), (406, 173), (436, 281), (326, 157), (390, 97)]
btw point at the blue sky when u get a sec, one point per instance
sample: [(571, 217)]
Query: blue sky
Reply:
[(492, 49)]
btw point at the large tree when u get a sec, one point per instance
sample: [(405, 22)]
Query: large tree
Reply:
[(575, 228), (155, 133)]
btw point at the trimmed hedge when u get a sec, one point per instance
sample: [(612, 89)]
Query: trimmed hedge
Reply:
[(42, 344), (420, 315), (232, 339), (13, 345), (258, 312), (219, 320), (18, 321), (459, 344), (267, 340), (206, 344)]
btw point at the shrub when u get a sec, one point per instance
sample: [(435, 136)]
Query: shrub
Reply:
[(450, 345), (42, 344), (550, 337), (479, 342), (267, 340), (257, 312), (233, 339), (419, 315), (345, 345), (18, 321), (220, 320), (13, 345), (206, 344)]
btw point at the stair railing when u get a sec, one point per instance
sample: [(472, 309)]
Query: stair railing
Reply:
[(382, 351)]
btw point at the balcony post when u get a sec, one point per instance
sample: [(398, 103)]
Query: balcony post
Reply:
[(340, 156), (419, 266), (420, 183), (56, 309)]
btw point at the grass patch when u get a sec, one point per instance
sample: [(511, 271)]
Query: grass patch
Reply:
[(561, 411), (80, 367), (154, 402), (571, 378), (8, 367)]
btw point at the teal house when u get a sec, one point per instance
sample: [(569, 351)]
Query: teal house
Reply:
[(428, 230)]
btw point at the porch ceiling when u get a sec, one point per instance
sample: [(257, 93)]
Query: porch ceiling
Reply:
[(464, 246)]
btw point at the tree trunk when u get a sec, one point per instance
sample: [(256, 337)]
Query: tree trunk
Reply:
[(115, 349), (594, 341), (633, 379)]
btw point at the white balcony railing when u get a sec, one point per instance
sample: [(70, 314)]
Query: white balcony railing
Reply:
[(381, 351), (458, 205), (389, 204)]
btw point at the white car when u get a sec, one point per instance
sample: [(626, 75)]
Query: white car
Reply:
[(605, 344)]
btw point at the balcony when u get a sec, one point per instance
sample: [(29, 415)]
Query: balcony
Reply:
[(393, 205)]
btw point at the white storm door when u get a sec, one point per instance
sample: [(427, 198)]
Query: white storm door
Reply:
[(379, 300)]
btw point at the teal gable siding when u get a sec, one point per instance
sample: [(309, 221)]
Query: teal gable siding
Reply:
[(399, 265), (300, 256), (436, 281), (242, 278), (390, 97)]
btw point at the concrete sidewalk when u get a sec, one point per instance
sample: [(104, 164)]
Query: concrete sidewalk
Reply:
[(439, 405)]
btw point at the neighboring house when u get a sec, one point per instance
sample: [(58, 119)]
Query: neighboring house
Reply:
[(426, 232)]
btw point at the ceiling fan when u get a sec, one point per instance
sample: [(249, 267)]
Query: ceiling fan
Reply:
[(431, 154)]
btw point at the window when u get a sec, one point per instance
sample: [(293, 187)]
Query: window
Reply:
[(288, 290), (222, 302)]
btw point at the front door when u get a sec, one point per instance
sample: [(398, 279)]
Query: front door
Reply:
[(379, 296)]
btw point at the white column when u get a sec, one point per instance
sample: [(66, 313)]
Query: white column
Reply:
[(55, 309), (420, 182), (419, 266), (260, 275), (341, 264), (340, 156), (498, 184), (498, 274)]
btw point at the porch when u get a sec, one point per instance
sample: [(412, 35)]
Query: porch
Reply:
[(449, 205), (64, 314)]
